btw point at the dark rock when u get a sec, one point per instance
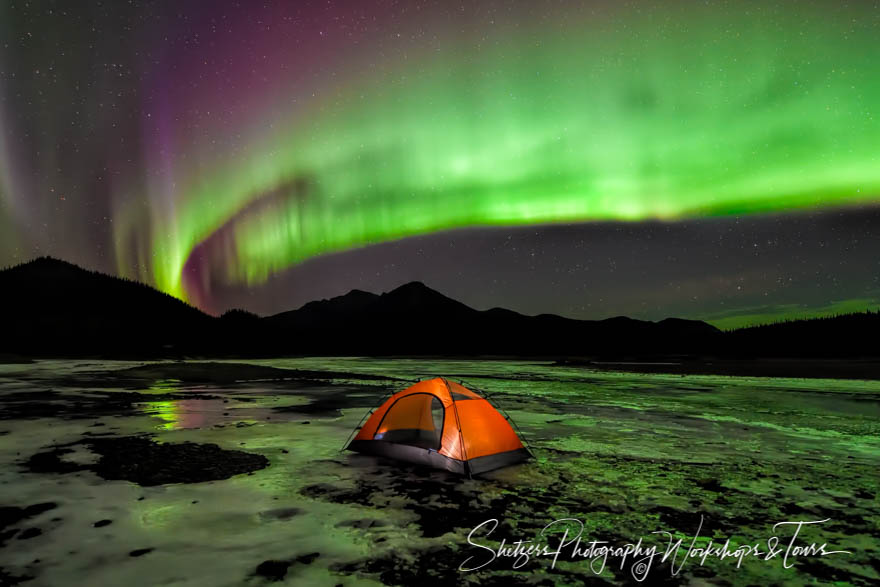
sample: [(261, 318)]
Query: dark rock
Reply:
[(12, 515), (7, 579), (282, 514), (306, 559), (30, 533), (140, 552), (146, 462), (273, 570)]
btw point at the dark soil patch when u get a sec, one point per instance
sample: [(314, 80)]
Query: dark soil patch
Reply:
[(684, 521), (33, 404), (7, 579), (276, 570), (711, 484), (9, 516), (461, 505), (281, 514), (445, 503), (29, 533), (51, 462), (140, 552), (272, 570), (143, 461)]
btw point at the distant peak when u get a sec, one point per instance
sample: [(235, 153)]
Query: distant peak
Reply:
[(675, 321), (414, 290), (46, 263), (416, 294), (412, 286), (355, 295), (47, 260), (359, 293), (619, 319)]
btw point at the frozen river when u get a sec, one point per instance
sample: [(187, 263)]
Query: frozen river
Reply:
[(89, 494)]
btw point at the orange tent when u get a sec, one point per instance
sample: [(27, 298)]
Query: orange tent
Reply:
[(442, 424)]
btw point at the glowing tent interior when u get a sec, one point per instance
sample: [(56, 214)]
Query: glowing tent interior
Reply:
[(442, 424)]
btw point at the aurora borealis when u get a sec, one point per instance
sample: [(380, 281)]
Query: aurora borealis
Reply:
[(214, 147)]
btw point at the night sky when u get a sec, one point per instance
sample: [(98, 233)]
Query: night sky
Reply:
[(709, 160)]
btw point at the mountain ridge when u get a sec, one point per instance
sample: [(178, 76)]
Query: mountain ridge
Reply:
[(56, 308)]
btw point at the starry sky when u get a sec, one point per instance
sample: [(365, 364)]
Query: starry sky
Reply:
[(716, 160)]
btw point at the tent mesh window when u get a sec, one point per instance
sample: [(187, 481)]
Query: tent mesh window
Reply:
[(415, 420)]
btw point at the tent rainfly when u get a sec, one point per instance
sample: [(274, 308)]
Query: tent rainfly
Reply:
[(444, 425)]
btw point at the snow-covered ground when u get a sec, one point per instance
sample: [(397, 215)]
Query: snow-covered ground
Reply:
[(626, 454)]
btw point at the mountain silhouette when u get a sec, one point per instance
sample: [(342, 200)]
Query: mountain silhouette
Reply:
[(54, 308), (415, 319)]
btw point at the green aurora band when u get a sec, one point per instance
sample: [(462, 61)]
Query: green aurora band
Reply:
[(672, 113)]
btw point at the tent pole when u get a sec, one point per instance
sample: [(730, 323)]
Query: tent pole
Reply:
[(363, 418), (467, 466)]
